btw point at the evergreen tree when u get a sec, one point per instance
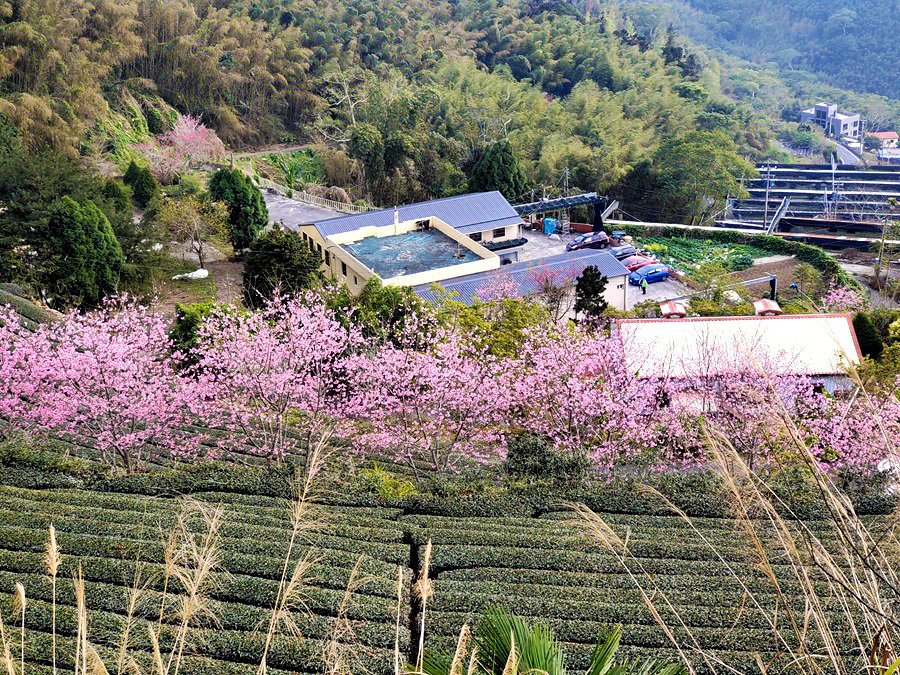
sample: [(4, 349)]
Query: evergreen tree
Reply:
[(87, 259), (589, 290), (117, 195), (277, 259), (131, 174), (499, 169), (145, 188), (247, 212), (870, 343)]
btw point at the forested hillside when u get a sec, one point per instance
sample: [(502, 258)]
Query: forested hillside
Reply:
[(403, 99), (412, 91), (851, 43)]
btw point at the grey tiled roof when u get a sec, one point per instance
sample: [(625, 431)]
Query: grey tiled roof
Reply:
[(467, 213), (522, 274)]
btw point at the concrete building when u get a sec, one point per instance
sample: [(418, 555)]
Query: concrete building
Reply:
[(835, 124), (484, 222), (402, 253), (459, 243), (522, 278)]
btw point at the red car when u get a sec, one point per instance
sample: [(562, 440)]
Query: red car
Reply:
[(636, 262)]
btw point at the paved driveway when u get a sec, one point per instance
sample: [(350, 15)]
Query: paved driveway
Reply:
[(845, 155), (660, 291)]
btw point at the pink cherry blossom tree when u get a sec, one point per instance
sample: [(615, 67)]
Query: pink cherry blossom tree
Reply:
[(187, 145), (276, 380), (572, 387), (843, 299), (437, 407), (499, 286), (555, 287), (108, 375), (17, 388)]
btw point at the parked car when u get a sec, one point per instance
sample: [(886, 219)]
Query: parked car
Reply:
[(590, 240), (636, 262), (652, 273), (623, 251)]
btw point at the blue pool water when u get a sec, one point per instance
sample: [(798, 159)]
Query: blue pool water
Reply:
[(410, 253)]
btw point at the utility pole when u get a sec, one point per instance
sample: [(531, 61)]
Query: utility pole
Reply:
[(768, 185)]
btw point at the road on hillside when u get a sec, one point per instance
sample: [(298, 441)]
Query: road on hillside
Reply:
[(846, 156)]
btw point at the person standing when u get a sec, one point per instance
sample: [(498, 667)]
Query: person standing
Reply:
[(644, 286)]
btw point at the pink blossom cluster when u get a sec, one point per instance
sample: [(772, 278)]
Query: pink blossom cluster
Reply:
[(107, 375), (187, 145), (843, 299), (277, 380), (441, 405), (280, 380)]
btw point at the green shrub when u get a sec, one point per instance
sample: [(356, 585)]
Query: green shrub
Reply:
[(145, 188), (531, 457), (188, 319), (387, 485), (870, 343), (278, 261)]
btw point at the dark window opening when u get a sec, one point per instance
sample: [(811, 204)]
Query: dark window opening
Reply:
[(500, 232)]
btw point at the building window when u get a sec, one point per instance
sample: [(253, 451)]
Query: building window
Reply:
[(343, 268), (328, 258), (475, 236), (355, 281), (500, 232), (319, 247)]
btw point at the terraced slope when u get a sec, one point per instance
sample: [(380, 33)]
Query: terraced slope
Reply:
[(117, 538), (543, 567), (546, 568)]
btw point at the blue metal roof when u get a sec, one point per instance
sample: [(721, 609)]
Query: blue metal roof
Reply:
[(467, 213), (522, 274)]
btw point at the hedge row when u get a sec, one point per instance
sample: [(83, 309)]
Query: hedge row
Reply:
[(741, 661), (227, 587), (644, 634), (234, 538), (226, 615), (619, 587), (566, 521), (544, 582), (332, 527), (662, 561), (622, 608), (38, 649), (17, 539), (276, 515), (288, 653)]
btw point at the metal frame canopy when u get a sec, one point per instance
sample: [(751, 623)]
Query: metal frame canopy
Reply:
[(560, 203)]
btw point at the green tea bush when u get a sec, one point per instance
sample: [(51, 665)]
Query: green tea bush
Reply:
[(387, 485), (531, 457)]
